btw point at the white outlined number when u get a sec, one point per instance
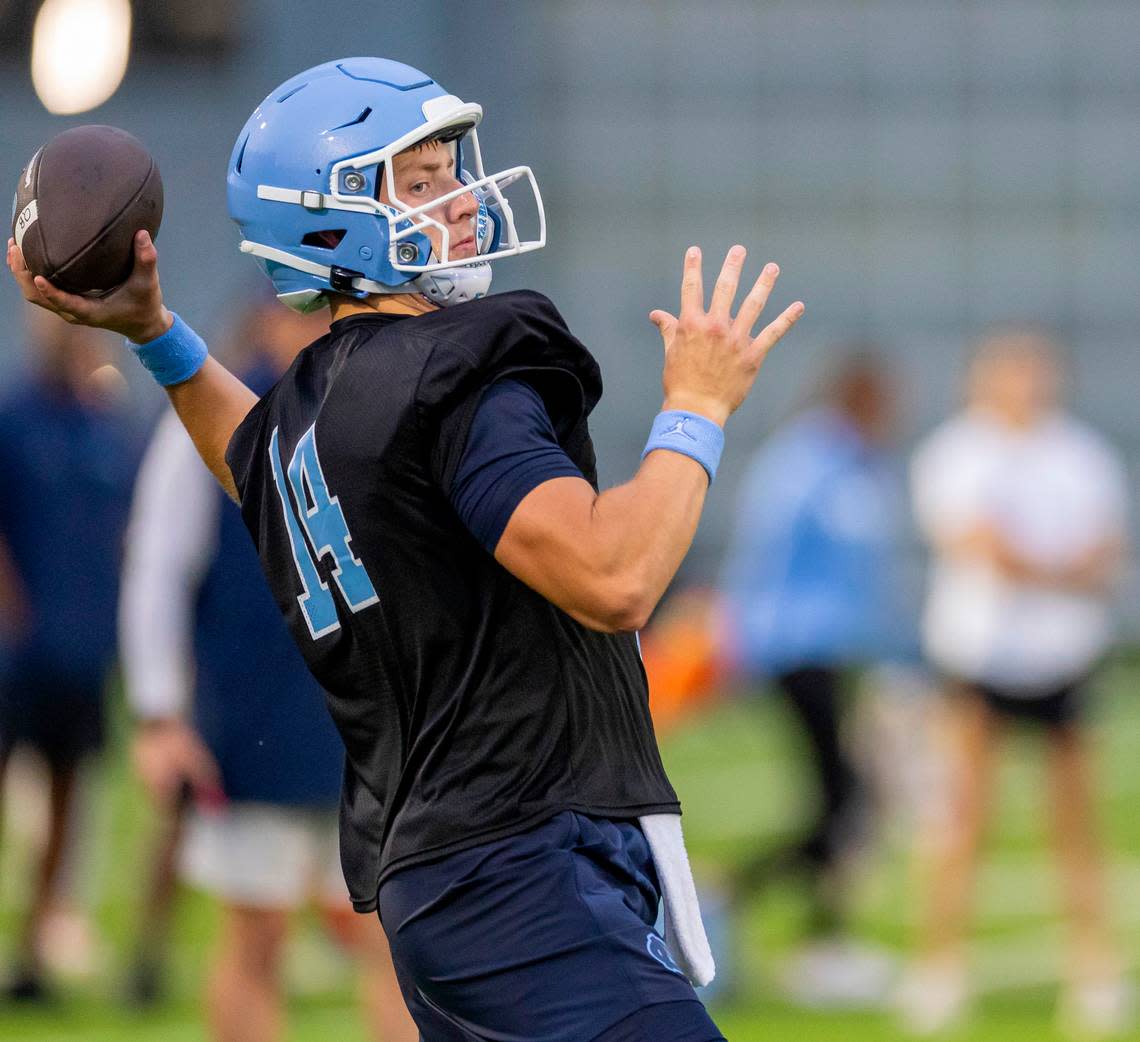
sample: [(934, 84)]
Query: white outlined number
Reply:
[(317, 527)]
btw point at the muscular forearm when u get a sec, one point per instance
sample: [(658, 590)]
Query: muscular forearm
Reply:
[(641, 531), (210, 405), (607, 559)]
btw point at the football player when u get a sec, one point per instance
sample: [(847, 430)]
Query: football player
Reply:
[(421, 488)]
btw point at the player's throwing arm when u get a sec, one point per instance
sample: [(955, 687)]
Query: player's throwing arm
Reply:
[(606, 559)]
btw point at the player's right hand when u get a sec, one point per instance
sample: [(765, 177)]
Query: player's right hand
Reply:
[(134, 309), (168, 754), (712, 358)]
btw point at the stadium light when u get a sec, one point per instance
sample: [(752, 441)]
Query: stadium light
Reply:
[(79, 52)]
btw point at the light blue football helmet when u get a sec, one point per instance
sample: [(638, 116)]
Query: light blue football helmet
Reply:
[(304, 180)]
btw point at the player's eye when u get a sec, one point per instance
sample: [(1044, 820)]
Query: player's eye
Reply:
[(420, 187)]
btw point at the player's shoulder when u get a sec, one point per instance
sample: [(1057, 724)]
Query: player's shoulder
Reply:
[(1072, 429), (1085, 443), (492, 318), (525, 304), (964, 432), (962, 448), (500, 335)]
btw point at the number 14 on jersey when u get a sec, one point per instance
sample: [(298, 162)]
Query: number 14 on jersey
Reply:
[(325, 531)]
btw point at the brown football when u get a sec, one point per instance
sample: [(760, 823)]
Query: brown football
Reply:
[(80, 201)]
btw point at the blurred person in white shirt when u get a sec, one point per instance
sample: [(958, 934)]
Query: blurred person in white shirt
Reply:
[(1025, 511)]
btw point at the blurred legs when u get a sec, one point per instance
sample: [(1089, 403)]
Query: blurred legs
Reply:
[(244, 994), (61, 794), (814, 696), (935, 993), (1097, 998), (381, 1001), (972, 734), (1078, 850), (146, 985)]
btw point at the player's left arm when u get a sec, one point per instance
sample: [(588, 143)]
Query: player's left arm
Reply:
[(210, 404), (606, 559), (1097, 569)]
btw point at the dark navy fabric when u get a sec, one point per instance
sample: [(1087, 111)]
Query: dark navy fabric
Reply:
[(545, 936), (256, 705), (68, 469), (63, 722), (511, 450), (675, 1021)]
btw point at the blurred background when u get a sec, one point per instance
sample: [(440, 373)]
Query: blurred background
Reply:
[(921, 171)]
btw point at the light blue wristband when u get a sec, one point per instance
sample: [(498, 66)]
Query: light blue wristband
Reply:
[(173, 357), (690, 434)]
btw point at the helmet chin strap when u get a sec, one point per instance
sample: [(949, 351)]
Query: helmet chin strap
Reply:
[(470, 281), (455, 285)]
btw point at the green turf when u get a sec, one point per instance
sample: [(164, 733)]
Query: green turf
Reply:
[(739, 773)]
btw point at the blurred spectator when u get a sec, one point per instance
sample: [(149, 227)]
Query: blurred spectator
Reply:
[(229, 713), (68, 455), (810, 593), (1024, 509)]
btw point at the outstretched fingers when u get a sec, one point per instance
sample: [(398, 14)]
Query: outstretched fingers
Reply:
[(692, 286), (724, 292), (664, 322), (757, 298), (771, 334)]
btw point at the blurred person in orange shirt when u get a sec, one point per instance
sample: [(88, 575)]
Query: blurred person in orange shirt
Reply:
[(67, 453), (233, 731), (811, 596), (1024, 508)]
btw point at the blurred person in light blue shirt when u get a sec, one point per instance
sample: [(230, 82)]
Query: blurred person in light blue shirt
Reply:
[(811, 578), (811, 592)]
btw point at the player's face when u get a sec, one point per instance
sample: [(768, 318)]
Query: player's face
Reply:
[(1018, 377), (424, 174)]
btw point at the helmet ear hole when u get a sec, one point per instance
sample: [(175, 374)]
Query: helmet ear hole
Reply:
[(329, 239)]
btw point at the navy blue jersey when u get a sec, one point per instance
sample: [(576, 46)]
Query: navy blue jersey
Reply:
[(511, 450), (470, 707), (68, 467)]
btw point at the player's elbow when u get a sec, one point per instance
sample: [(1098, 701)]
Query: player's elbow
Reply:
[(621, 604)]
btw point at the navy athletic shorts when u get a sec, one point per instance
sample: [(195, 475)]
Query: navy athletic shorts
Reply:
[(58, 717), (545, 936), (1052, 707)]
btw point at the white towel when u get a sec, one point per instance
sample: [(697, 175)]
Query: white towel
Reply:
[(684, 931)]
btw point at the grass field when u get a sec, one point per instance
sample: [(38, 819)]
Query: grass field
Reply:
[(739, 774)]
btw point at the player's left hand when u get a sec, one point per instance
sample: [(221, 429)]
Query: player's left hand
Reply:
[(711, 356), (134, 309)]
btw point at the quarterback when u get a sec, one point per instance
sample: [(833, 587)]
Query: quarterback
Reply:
[(421, 488)]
